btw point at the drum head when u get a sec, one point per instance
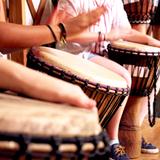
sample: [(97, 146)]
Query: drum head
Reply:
[(39, 118), (82, 68), (136, 48)]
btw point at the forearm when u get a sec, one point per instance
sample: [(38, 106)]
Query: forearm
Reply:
[(84, 37), (15, 36), (21, 79), (18, 78), (136, 36)]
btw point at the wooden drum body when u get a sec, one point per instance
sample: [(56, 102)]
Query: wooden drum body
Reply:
[(139, 11), (143, 64), (100, 84), (32, 129)]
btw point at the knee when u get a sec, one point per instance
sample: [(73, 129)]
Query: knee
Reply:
[(127, 76)]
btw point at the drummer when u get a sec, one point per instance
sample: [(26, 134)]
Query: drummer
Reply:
[(90, 44), (20, 79)]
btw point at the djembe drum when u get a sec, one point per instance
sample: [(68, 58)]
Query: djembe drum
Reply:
[(140, 13), (33, 129), (100, 84), (142, 62)]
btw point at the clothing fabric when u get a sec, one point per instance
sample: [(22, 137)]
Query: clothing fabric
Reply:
[(114, 17), (47, 11)]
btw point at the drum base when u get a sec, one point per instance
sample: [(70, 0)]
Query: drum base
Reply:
[(130, 127)]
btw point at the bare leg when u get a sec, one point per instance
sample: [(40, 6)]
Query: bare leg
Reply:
[(113, 125)]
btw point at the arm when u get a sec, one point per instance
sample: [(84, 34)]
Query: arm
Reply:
[(136, 36), (18, 78), (14, 36), (131, 35)]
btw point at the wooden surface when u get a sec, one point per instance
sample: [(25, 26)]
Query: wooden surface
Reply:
[(152, 135), (16, 15)]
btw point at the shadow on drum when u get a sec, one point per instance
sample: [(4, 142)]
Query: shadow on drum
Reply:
[(100, 84), (33, 129)]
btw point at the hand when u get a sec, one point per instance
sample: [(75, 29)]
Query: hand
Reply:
[(83, 21), (117, 33), (39, 85), (74, 95), (75, 25)]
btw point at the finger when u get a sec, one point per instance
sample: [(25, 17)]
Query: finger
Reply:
[(82, 101), (87, 103), (95, 14)]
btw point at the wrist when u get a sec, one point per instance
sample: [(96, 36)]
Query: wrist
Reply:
[(52, 32), (101, 36), (105, 37)]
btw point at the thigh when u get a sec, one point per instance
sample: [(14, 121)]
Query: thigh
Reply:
[(113, 66)]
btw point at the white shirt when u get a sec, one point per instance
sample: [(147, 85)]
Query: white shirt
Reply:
[(114, 17)]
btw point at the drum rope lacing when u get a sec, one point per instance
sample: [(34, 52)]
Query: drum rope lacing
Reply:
[(25, 140), (151, 118), (37, 63), (103, 94)]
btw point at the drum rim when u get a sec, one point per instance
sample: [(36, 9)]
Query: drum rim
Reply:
[(54, 141), (132, 52), (88, 83), (11, 136)]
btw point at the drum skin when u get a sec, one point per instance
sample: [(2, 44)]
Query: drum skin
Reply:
[(36, 129)]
